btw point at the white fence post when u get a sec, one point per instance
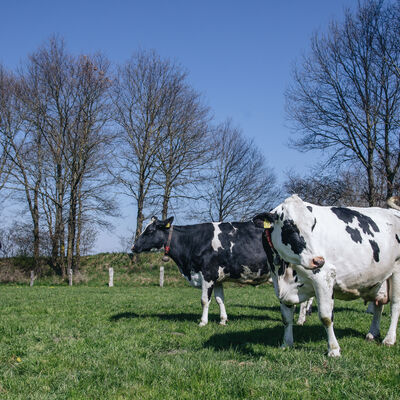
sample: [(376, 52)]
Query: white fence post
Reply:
[(111, 277), (70, 276), (32, 278), (161, 276)]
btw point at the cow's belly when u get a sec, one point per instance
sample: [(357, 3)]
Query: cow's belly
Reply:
[(246, 275), (362, 281), (195, 279)]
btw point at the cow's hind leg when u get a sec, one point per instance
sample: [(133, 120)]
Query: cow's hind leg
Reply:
[(219, 297), (374, 330), (305, 309), (390, 338), (206, 292), (287, 312)]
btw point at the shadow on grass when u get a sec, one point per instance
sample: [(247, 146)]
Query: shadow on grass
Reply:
[(189, 317), (314, 308), (262, 308), (271, 337)]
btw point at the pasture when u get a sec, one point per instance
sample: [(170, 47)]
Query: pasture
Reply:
[(141, 341)]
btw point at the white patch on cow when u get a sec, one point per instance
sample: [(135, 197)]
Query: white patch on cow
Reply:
[(216, 243), (231, 247), (196, 278), (234, 231), (205, 302), (146, 227), (221, 274)]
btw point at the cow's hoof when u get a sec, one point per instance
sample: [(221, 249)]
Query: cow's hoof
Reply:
[(300, 322), (223, 322), (285, 346), (202, 323), (370, 337), (388, 342), (334, 353)]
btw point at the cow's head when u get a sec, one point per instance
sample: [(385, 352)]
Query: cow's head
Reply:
[(154, 236), (291, 226)]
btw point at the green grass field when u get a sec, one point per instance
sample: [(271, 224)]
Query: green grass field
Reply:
[(143, 342)]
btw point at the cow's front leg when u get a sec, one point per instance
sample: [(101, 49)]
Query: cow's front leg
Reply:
[(324, 295), (287, 312), (206, 292), (323, 281), (390, 338), (219, 297)]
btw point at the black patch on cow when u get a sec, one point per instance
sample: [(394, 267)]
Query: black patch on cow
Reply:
[(355, 234), (397, 238), (281, 217), (209, 292), (315, 223), (282, 269), (364, 222), (291, 236), (301, 285), (332, 316), (310, 208), (316, 271), (375, 249)]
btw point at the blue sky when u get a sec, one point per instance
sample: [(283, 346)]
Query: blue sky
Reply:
[(239, 54)]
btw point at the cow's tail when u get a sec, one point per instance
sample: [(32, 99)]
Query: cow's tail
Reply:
[(393, 202)]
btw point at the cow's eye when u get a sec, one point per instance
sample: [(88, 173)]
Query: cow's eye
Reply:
[(148, 231)]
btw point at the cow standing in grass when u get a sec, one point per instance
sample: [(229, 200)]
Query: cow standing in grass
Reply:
[(335, 251), (209, 254)]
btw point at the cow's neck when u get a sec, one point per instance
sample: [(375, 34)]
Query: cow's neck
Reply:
[(179, 247)]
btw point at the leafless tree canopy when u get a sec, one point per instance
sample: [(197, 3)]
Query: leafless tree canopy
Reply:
[(163, 132), (56, 140), (240, 184), (345, 94)]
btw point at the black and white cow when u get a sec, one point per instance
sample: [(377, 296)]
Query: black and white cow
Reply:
[(334, 251), (209, 254)]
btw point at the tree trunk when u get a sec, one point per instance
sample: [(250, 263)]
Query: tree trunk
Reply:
[(166, 198), (139, 215), (79, 231), (71, 228)]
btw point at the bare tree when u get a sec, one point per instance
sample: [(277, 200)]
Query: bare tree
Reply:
[(343, 96), (387, 49), (185, 144), (327, 188), (59, 150), (87, 139), (240, 183), (48, 96), (139, 99), (9, 121), (23, 140)]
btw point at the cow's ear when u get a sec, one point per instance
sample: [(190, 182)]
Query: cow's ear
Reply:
[(166, 224), (264, 220)]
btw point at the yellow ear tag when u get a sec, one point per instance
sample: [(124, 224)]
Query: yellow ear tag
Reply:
[(267, 225), (168, 225)]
